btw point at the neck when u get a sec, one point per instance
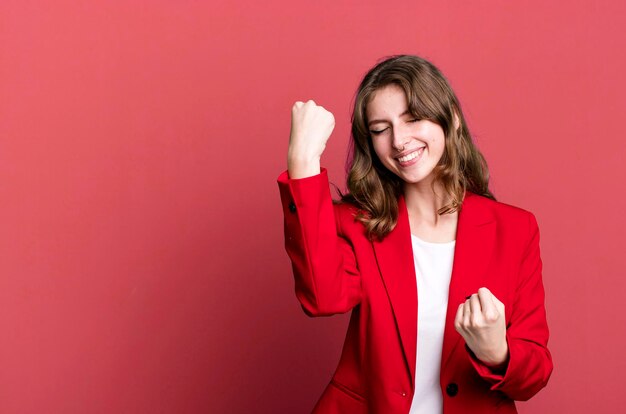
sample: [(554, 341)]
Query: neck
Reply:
[(423, 203)]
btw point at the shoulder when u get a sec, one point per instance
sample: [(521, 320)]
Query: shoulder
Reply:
[(345, 211), (504, 213), (349, 226)]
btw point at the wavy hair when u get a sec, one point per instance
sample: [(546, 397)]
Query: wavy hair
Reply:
[(373, 189)]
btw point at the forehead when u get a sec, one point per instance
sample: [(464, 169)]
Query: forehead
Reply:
[(388, 100)]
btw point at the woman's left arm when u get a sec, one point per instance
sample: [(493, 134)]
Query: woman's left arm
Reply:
[(528, 363)]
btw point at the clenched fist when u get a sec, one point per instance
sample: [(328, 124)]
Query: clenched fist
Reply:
[(311, 126), (480, 321)]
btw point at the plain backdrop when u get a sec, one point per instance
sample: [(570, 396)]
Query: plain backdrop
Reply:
[(142, 265)]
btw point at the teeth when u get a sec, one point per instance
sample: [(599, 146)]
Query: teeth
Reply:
[(411, 156)]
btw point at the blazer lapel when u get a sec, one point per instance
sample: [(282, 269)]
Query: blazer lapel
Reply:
[(475, 238), (394, 255)]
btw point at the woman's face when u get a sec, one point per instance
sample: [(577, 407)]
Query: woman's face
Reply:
[(410, 148)]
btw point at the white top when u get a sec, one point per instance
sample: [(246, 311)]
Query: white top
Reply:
[(433, 268)]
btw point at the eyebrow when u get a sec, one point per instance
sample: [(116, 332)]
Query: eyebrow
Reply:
[(375, 121)]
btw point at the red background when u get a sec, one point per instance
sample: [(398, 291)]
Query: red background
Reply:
[(142, 266)]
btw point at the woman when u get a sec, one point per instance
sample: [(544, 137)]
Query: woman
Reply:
[(443, 282)]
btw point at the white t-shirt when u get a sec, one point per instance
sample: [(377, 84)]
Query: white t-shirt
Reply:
[(433, 268)]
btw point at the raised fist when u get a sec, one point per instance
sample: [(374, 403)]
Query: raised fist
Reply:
[(311, 126)]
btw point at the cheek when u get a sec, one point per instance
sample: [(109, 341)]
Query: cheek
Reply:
[(378, 149), (441, 144), (437, 143)]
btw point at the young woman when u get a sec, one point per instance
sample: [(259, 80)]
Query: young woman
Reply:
[(443, 282)]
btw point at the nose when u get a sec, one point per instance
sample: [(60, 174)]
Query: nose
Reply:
[(401, 137)]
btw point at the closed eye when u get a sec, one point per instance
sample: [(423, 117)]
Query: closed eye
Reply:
[(383, 130), (378, 132)]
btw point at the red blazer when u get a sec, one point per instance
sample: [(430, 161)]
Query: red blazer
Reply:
[(337, 269)]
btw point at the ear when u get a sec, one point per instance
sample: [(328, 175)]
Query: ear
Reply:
[(457, 123)]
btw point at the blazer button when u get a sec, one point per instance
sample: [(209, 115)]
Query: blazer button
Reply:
[(452, 389), (292, 207)]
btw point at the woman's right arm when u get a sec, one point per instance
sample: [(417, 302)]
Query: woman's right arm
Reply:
[(311, 126), (324, 265)]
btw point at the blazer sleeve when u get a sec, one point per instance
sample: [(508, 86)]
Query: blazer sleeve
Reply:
[(530, 362), (327, 279)]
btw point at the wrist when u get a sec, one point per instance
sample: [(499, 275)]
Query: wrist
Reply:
[(497, 359), (303, 166)]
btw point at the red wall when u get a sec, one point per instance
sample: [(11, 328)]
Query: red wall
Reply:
[(142, 266)]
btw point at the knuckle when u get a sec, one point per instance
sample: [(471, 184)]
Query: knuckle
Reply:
[(491, 316)]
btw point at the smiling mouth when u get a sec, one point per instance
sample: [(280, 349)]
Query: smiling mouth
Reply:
[(411, 156)]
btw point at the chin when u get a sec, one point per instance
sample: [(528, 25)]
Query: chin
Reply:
[(414, 179)]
